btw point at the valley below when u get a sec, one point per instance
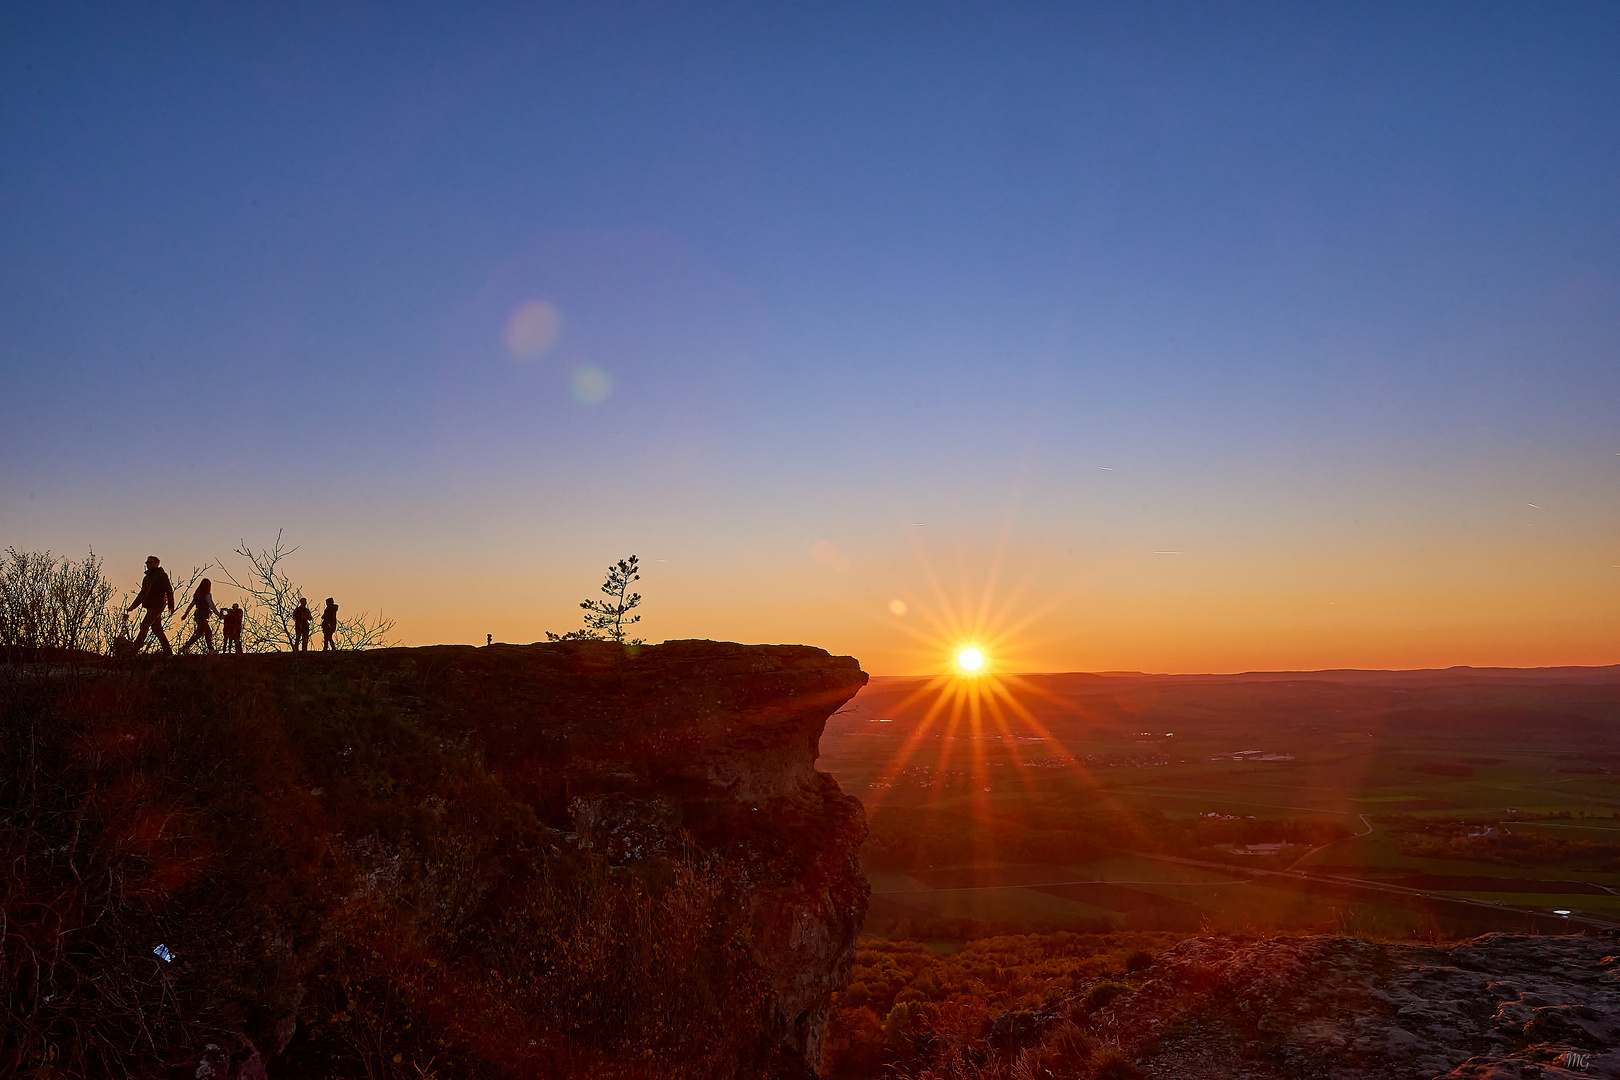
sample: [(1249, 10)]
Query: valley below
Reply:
[(1379, 803), (1346, 874)]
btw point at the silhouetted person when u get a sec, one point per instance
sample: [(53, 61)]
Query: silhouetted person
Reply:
[(328, 626), (156, 592), (233, 630), (203, 601), (301, 618)]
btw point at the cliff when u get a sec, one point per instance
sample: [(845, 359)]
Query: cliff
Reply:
[(546, 860)]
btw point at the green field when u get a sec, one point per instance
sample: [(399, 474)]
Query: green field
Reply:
[(1451, 787)]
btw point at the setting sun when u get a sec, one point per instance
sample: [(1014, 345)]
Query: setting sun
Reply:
[(970, 660)]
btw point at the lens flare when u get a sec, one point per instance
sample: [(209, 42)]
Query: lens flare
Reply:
[(591, 385), (532, 330)]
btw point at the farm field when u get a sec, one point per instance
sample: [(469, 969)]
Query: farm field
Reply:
[(1461, 801)]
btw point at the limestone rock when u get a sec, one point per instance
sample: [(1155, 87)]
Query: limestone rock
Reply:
[(1496, 1007)]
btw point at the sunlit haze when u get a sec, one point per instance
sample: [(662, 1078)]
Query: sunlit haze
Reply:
[(1015, 338)]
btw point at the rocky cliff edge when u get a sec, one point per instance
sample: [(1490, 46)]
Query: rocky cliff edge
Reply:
[(544, 860), (1497, 1007)]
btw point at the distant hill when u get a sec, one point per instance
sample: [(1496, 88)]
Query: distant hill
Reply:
[(1574, 705), (1606, 674)]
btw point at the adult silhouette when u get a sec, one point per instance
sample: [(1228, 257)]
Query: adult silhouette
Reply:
[(156, 592), (301, 619), (203, 601), (328, 626)]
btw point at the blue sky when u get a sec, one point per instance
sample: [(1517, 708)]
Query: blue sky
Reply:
[(1323, 298)]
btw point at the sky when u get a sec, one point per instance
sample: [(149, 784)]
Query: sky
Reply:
[(1136, 336)]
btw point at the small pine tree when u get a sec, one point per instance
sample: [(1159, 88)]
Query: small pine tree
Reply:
[(605, 620)]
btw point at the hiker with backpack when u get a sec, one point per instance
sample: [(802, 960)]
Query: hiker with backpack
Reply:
[(156, 591)]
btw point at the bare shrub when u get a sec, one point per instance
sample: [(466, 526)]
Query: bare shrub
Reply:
[(51, 604), (1101, 994), (267, 616), (267, 622)]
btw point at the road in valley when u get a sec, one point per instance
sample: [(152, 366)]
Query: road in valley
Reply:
[(1543, 920)]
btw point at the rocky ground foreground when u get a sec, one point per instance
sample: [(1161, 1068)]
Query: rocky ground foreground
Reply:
[(1497, 1007)]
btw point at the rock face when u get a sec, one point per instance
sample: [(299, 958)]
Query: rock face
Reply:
[(698, 747), (551, 860), (1497, 1007)]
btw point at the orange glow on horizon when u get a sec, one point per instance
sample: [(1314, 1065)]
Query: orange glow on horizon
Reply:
[(1224, 612)]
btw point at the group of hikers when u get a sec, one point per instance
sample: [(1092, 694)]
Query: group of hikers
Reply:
[(157, 594)]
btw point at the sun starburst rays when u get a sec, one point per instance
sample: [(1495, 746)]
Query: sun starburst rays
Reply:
[(974, 705), (973, 701)]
